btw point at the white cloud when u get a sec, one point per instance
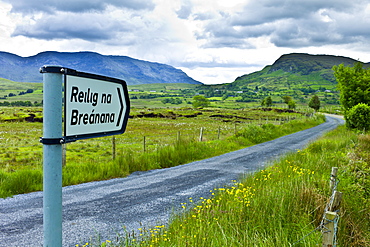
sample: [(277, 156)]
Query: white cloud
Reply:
[(27, 7), (215, 39), (86, 26), (217, 75)]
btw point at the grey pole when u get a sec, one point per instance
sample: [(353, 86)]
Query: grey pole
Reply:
[(52, 127)]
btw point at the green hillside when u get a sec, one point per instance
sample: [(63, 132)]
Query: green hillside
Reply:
[(297, 71), (297, 75), (281, 81), (11, 91)]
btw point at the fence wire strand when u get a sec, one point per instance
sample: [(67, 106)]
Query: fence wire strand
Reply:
[(322, 227)]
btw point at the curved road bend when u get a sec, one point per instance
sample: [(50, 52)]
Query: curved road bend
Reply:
[(146, 198)]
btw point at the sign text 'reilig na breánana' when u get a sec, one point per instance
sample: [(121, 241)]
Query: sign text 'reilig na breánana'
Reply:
[(93, 106)]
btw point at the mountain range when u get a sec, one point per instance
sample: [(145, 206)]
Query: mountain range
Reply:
[(291, 71), (133, 71)]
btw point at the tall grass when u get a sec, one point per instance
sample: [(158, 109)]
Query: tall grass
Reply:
[(279, 206), (180, 152), (20, 147)]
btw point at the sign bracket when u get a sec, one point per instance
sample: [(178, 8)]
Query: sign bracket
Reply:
[(53, 141)]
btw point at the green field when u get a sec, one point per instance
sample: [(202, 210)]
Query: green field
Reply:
[(21, 138), (148, 131), (8, 87)]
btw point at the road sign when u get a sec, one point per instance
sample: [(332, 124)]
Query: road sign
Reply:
[(94, 105)]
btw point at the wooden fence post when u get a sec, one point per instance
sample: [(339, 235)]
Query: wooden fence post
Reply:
[(335, 201), (144, 144), (328, 233), (113, 147), (201, 134), (329, 221), (333, 177)]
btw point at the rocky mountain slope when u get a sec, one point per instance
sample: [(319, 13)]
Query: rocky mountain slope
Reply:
[(133, 71)]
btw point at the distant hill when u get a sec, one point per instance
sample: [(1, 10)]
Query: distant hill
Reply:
[(297, 70), (133, 71)]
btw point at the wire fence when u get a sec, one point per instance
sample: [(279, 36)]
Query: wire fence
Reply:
[(18, 150), (329, 223)]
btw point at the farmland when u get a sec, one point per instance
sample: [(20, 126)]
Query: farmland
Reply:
[(148, 131), (159, 126), (180, 95), (162, 115)]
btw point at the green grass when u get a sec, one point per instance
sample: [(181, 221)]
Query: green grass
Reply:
[(280, 205), (169, 142), (20, 147)]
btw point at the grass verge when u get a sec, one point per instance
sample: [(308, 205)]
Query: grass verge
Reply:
[(279, 206)]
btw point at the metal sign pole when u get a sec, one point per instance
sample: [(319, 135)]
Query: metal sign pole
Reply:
[(52, 160)]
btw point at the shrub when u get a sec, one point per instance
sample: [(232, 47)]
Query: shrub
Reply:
[(353, 84), (358, 117), (291, 104), (200, 101), (314, 103), (267, 101)]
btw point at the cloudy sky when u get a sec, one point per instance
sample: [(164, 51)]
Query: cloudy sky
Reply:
[(213, 41)]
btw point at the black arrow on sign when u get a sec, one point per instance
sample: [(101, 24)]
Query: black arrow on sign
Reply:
[(121, 110)]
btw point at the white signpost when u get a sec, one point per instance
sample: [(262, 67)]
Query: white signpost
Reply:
[(94, 106)]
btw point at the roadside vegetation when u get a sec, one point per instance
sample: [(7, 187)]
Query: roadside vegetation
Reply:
[(280, 206), (354, 83)]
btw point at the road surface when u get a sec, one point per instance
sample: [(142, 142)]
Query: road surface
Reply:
[(146, 198)]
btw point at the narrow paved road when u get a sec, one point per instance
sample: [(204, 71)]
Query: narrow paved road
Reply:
[(146, 198)]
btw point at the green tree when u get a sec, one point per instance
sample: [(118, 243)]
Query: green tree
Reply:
[(291, 104), (200, 101), (289, 101), (267, 101), (286, 99), (353, 84), (314, 102)]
